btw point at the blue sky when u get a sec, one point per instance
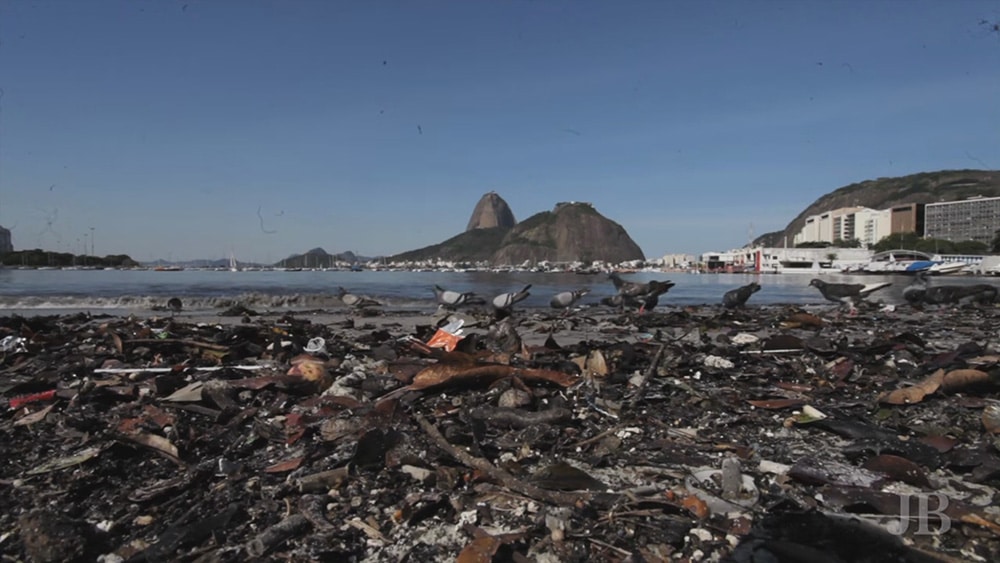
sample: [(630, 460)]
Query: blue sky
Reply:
[(191, 129)]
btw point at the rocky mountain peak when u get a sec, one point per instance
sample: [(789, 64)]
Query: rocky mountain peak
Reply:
[(491, 211)]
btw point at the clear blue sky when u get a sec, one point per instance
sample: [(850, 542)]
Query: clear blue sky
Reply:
[(376, 126)]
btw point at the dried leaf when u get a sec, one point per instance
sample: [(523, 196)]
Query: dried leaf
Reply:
[(841, 369), (798, 320), (915, 393), (286, 465), (156, 442), (980, 521), (696, 506), (987, 360), (117, 340), (942, 444), (596, 364), (34, 417), (899, 469), (65, 462), (452, 375), (959, 379), (479, 550), (776, 404), (190, 393)]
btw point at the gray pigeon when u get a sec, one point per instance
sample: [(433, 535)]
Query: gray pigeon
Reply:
[(651, 298), (566, 299), (738, 297), (846, 293), (505, 301), (920, 291), (175, 305), (647, 300), (453, 299), (624, 287), (355, 301), (915, 293)]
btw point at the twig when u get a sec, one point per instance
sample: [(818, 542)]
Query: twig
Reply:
[(518, 418), (168, 370), (276, 534), (609, 546), (503, 477), (645, 378), (596, 438), (185, 342)]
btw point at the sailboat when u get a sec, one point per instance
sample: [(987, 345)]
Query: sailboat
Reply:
[(233, 265)]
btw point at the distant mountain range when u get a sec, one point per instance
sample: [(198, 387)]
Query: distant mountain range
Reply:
[(313, 258)]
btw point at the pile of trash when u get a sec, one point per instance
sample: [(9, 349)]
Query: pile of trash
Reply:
[(697, 434)]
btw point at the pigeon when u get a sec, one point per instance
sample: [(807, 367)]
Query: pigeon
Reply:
[(175, 305), (921, 291), (846, 293), (651, 298), (624, 287), (915, 293), (355, 301), (453, 299), (505, 301), (566, 299), (644, 301), (738, 297), (619, 301)]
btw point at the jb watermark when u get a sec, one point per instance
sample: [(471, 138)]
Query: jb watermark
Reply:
[(924, 513)]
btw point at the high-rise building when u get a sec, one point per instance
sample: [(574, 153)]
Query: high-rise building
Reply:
[(908, 218), (5, 242), (975, 218)]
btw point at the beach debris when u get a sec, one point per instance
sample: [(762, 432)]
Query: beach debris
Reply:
[(688, 433), (448, 336)]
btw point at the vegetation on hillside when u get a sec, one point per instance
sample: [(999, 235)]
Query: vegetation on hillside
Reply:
[(911, 241)]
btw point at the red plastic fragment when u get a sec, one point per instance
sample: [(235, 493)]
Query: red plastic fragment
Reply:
[(18, 402)]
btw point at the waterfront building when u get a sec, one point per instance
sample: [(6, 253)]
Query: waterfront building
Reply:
[(975, 218)]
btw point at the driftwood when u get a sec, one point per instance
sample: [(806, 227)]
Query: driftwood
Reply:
[(499, 475)]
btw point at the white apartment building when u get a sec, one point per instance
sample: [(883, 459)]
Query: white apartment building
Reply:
[(829, 226), (872, 225)]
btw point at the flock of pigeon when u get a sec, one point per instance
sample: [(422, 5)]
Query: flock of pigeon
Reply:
[(646, 295), (643, 296)]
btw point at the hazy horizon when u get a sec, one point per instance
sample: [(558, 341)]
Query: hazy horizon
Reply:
[(184, 130)]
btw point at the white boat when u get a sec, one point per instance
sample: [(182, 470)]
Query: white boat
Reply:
[(943, 268), (898, 262), (233, 265)]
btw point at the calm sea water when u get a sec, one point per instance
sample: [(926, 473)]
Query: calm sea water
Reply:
[(208, 290)]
